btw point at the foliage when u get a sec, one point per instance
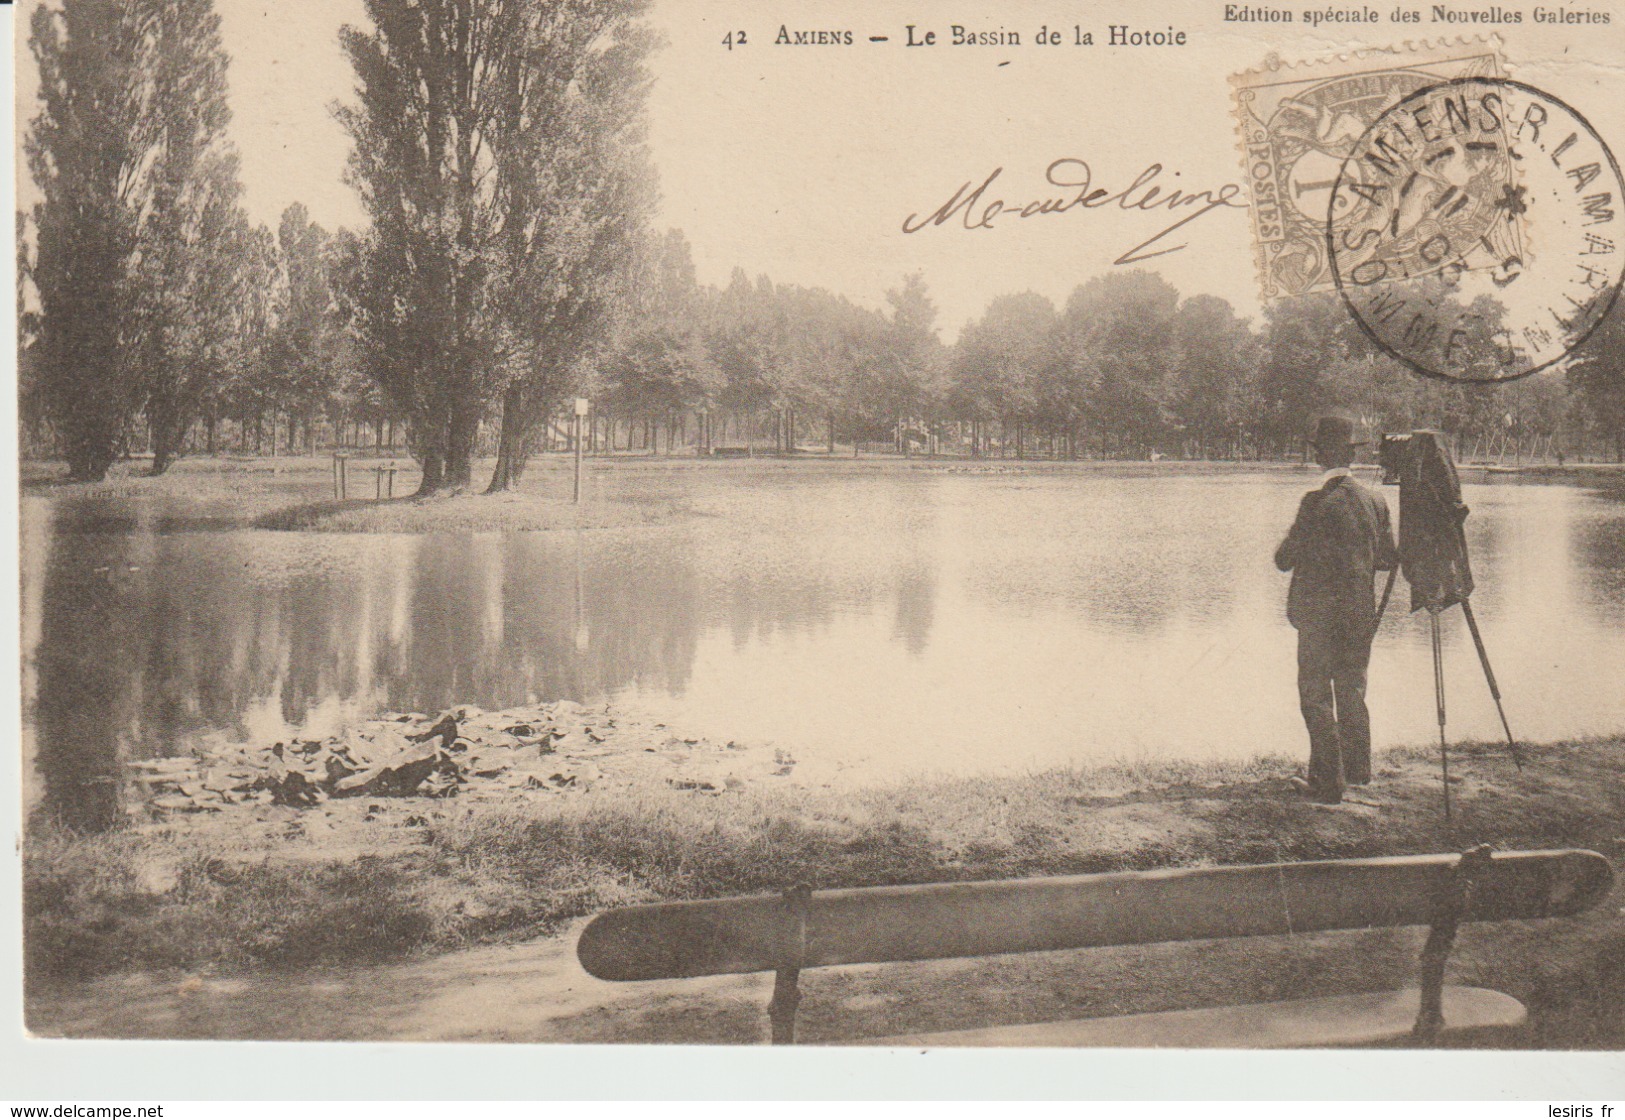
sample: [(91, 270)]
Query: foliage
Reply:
[(498, 152), (1597, 378), (577, 187), (663, 364), (138, 226), (1212, 391), (1118, 336), (1307, 341)]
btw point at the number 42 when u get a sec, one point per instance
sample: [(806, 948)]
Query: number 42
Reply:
[(733, 37)]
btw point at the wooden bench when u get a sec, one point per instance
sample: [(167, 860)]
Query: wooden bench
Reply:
[(806, 929)]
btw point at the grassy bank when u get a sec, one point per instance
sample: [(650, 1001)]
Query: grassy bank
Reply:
[(297, 494), (524, 510), (450, 876)]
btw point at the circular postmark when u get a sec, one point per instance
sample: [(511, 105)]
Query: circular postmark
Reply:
[(1474, 231)]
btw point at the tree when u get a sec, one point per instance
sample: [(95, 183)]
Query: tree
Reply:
[(662, 365), (1005, 365), (497, 152), (30, 405), (905, 380), (247, 386), (194, 234), (138, 188), (747, 343), (1306, 338), (1214, 360), (353, 393), (1596, 374), (193, 309), (1118, 332), (577, 187), (302, 359), (830, 346)]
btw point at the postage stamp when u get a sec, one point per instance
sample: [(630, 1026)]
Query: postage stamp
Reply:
[(1298, 123), (1474, 230)]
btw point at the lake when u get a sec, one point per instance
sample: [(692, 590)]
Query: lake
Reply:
[(877, 620)]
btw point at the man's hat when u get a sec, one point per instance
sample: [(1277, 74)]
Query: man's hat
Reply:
[(1335, 430)]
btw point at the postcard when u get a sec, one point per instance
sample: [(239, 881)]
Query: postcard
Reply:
[(892, 524)]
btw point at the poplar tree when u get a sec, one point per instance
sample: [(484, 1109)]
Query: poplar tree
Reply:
[(304, 346), (138, 223), (498, 154), (577, 189)]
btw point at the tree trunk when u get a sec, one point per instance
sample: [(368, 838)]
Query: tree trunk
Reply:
[(460, 438), (512, 442), (168, 433), (88, 467), (433, 473)]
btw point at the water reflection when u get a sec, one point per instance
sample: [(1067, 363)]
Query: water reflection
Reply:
[(874, 622)]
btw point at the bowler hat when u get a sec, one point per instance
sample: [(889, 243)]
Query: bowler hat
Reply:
[(1335, 430)]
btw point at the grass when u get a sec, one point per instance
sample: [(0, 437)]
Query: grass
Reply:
[(116, 903), (163, 900), (296, 494), (523, 510)]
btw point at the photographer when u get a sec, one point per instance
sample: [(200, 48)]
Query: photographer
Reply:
[(1340, 539)]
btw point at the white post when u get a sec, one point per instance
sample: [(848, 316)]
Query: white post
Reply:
[(582, 405)]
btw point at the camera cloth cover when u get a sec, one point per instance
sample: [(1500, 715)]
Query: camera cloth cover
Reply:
[(1432, 544)]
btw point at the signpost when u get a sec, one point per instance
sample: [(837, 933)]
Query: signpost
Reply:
[(582, 407)]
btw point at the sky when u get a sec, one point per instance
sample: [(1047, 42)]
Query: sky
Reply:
[(803, 162)]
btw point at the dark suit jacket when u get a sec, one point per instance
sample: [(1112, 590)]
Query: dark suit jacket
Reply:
[(1339, 541)]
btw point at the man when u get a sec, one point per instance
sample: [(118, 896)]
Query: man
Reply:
[(1338, 542)]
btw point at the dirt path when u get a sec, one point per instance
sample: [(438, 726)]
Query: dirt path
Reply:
[(1571, 973), (512, 993)]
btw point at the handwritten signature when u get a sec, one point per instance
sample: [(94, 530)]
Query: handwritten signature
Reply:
[(1074, 175)]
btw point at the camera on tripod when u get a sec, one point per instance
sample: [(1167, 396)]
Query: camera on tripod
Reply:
[(1433, 551)]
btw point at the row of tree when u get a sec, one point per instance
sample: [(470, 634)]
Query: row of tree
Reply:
[(498, 153), (1125, 369), (507, 264), (139, 237)]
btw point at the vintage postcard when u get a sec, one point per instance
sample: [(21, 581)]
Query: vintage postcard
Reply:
[(863, 524)]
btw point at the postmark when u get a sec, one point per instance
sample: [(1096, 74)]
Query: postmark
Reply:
[(1475, 230), (1298, 123)]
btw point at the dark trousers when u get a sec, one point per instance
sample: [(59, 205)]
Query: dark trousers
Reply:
[(1332, 660)]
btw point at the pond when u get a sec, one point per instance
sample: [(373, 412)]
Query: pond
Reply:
[(876, 620)]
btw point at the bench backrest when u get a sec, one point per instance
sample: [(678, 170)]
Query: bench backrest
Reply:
[(941, 920)]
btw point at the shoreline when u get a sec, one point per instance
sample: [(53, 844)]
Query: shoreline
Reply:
[(358, 883), (295, 493)]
